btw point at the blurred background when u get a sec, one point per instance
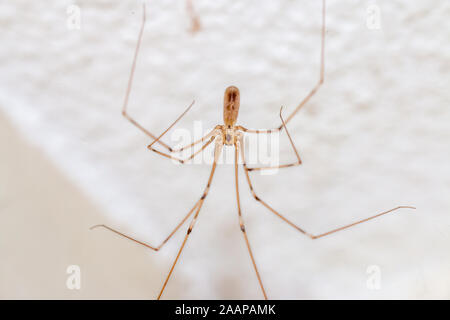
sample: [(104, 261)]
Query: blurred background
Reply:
[(375, 136)]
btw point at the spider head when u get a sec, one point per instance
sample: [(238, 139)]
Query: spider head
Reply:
[(231, 102)]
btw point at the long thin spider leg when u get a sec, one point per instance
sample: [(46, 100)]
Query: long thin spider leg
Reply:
[(171, 126), (213, 131), (217, 152), (201, 149), (257, 130), (310, 235), (183, 161), (322, 69), (361, 221), (150, 146), (314, 89), (157, 248), (130, 84), (241, 219), (299, 160), (195, 20)]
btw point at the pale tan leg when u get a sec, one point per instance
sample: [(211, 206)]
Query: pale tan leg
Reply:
[(217, 152), (179, 225), (241, 220), (257, 131), (183, 161), (297, 163), (321, 73), (144, 243), (199, 140), (294, 225)]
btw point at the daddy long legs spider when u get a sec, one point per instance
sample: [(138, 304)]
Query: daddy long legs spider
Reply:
[(228, 135)]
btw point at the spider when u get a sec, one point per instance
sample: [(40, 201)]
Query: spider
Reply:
[(229, 135)]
